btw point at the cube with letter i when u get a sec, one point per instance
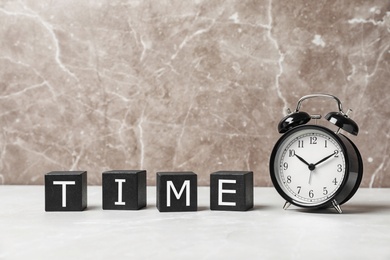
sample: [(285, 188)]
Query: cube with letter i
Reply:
[(231, 190), (177, 191), (66, 191), (124, 189)]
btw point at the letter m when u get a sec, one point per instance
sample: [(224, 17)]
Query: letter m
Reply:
[(185, 186)]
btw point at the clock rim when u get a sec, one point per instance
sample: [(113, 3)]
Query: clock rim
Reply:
[(329, 200), (359, 173)]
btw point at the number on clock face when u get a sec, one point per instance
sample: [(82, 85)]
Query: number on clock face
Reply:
[(311, 166)]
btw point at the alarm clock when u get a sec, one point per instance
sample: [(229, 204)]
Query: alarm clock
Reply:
[(312, 166)]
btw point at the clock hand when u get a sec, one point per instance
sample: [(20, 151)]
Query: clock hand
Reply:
[(324, 159), (302, 160), (310, 177), (310, 165)]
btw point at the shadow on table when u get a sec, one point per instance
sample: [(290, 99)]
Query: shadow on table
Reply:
[(350, 209), (365, 208), (207, 208), (93, 207), (259, 207)]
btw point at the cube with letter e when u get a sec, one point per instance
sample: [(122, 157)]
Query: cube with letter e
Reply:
[(177, 191), (66, 191), (231, 190)]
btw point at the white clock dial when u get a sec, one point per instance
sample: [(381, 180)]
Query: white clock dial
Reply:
[(310, 166)]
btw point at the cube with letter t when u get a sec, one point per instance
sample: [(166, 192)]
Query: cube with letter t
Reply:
[(231, 190), (177, 191), (66, 191), (124, 189)]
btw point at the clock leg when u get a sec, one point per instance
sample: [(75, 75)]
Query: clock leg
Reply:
[(286, 205), (336, 206)]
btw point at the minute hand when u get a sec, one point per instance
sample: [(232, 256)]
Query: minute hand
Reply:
[(324, 159)]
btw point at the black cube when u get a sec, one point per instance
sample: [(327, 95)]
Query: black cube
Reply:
[(231, 190), (177, 191), (124, 189), (66, 191)]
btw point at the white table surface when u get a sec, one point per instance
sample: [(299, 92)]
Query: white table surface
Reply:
[(265, 232)]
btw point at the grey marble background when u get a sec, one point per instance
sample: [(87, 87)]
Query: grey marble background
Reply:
[(183, 85)]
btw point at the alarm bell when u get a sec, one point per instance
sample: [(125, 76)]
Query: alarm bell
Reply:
[(343, 121), (292, 120), (339, 118)]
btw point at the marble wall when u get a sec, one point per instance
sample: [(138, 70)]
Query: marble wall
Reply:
[(183, 85)]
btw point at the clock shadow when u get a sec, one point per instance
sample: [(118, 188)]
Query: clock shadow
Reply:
[(365, 208), (318, 211), (350, 209)]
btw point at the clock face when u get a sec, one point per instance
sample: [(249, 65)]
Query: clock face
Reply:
[(308, 165)]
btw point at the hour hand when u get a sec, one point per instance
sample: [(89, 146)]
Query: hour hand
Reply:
[(302, 160)]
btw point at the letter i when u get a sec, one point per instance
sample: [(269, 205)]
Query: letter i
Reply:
[(120, 202)]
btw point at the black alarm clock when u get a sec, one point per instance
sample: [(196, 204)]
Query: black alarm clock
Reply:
[(312, 166)]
